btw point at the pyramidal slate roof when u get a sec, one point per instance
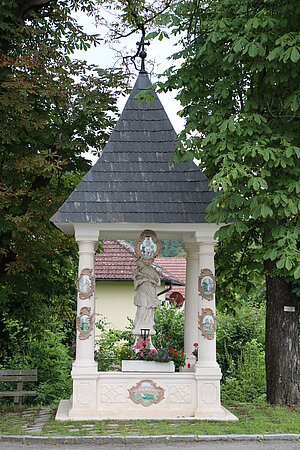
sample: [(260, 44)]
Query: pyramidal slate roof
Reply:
[(132, 181)]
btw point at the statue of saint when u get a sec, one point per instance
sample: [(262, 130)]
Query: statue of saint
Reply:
[(145, 280)]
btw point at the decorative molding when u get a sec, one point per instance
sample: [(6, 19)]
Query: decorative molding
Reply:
[(86, 284), (147, 246), (84, 323), (146, 393), (179, 393), (209, 393), (207, 322), (207, 284), (84, 394), (112, 393)]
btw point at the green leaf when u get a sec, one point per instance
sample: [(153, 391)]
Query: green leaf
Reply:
[(288, 264), (255, 22), (280, 264), (266, 211), (252, 50), (295, 55), (297, 273)]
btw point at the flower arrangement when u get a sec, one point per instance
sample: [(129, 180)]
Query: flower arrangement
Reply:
[(143, 353), (126, 352)]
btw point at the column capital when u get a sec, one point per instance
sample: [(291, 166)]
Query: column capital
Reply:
[(191, 246), (84, 232)]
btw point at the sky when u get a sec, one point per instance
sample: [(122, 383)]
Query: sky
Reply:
[(105, 57)]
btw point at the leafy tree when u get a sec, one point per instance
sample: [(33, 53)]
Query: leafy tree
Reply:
[(171, 248), (239, 87), (52, 109)]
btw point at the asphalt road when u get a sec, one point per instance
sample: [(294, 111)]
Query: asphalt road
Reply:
[(240, 445)]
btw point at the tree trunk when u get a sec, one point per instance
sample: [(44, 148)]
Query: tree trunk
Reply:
[(282, 341)]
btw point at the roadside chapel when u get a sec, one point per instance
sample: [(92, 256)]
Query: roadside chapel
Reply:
[(133, 193)]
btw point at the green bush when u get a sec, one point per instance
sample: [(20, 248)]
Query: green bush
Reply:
[(247, 382), (109, 343), (51, 359), (169, 327), (234, 331), (53, 362)]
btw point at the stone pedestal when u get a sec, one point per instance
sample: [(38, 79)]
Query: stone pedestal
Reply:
[(146, 395)]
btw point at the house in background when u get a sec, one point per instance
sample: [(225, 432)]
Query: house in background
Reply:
[(176, 266), (115, 292)]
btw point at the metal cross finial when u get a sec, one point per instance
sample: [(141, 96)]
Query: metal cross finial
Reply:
[(142, 54)]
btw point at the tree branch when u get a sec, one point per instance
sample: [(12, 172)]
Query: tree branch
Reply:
[(23, 10)]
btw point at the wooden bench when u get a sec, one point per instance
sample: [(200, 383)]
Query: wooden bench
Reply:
[(19, 377)]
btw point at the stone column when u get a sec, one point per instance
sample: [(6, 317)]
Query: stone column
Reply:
[(85, 371), (206, 347), (191, 297), (85, 347), (207, 371)]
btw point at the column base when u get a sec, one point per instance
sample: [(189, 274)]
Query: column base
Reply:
[(84, 368)]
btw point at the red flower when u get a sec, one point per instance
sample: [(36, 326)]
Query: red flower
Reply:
[(196, 344), (171, 349), (189, 366), (74, 358), (182, 354)]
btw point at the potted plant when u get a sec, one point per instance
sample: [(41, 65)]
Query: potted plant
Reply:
[(151, 360)]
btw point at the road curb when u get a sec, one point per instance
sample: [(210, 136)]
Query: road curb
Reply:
[(100, 440)]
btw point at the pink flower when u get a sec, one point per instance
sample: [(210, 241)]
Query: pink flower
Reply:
[(154, 351), (196, 344), (143, 343), (137, 346), (142, 354), (74, 345)]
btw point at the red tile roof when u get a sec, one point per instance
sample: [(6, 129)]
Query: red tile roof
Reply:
[(118, 262), (177, 266)]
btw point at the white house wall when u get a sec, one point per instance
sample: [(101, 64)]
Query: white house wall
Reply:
[(114, 301)]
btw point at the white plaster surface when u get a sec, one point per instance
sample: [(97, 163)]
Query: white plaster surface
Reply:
[(147, 366)]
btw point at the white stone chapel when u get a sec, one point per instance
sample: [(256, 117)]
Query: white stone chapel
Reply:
[(133, 188)]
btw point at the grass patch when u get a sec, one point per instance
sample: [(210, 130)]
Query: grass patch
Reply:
[(11, 422), (253, 419)]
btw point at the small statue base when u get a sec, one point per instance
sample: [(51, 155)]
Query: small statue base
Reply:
[(138, 343)]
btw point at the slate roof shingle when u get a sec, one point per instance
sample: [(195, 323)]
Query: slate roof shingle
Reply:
[(132, 181)]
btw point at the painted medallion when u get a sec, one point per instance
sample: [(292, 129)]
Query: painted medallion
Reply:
[(207, 323), (146, 393), (147, 246), (207, 284), (85, 284), (84, 323)]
